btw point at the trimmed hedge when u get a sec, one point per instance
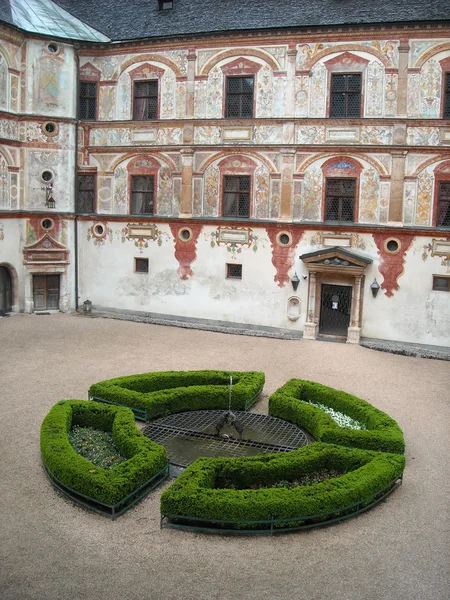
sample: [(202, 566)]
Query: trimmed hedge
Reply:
[(164, 393), (294, 402), (144, 458), (199, 493)]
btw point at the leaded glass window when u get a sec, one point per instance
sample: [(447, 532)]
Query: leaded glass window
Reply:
[(340, 199), (142, 194), (345, 95), (236, 196), (145, 105), (239, 102)]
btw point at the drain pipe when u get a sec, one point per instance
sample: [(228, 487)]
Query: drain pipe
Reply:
[(77, 122)]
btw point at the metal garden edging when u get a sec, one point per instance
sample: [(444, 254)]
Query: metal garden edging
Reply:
[(140, 414)]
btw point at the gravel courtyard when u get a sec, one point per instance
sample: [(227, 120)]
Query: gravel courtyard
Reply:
[(51, 549)]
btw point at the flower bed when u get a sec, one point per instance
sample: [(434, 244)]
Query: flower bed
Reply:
[(98, 488), (199, 497), (297, 402), (164, 393), (95, 445)]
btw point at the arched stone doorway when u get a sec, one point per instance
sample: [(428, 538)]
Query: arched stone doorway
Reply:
[(6, 290)]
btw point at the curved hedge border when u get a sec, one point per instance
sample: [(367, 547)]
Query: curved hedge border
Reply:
[(161, 394), (294, 402), (86, 483), (197, 499)]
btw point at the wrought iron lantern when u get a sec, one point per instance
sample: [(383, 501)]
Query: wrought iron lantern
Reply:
[(295, 281), (87, 306), (49, 200), (375, 288)]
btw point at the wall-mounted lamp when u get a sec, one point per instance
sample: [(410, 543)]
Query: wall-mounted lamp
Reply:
[(295, 281), (87, 306), (49, 200), (375, 287)]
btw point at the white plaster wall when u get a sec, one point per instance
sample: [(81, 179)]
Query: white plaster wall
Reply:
[(12, 234)]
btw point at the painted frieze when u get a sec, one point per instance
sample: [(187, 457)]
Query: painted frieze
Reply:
[(423, 136), (317, 91), (207, 135), (374, 89), (214, 91)]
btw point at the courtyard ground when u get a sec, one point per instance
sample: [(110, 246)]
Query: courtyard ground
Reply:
[(51, 549)]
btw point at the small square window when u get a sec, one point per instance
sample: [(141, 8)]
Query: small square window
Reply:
[(441, 284), (234, 271), (141, 265), (165, 4)]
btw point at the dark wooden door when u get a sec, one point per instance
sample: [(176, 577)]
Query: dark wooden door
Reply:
[(6, 294), (335, 309), (46, 292)]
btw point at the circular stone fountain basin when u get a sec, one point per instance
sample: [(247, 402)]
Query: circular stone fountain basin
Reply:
[(189, 435)]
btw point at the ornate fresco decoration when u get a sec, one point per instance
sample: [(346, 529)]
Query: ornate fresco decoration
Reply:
[(185, 251), (107, 65), (313, 134), (123, 108), (165, 192), (268, 134), (430, 250), (107, 103), (306, 52), (105, 194), (317, 91), (52, 85), (9, 129), (409, 202), (181, 91), (301, 95), (423, 136), (120, 189), (235, 239), (413, 97), (2, 234), (374, 89), (425, 183), (4, 183), (110, 137), (392, 263), (279, 101), (214, 93), (168, 101), (369, 195), (355, 239), (279, 53), (207, 135), (384, 201), (176, 196), (388, 49), (141, 235), (418, 48), (211, 194), (100, 241), (197, 197), (261, 184), (283, 257), (312, 194), (168, 136), (203, 56), (3, 83), (275, 199), (297, 203), (275, 159), (430, 89), (390, 95), (376, 135), (264, 92), (413, 162), (200, 99), (178, 57)]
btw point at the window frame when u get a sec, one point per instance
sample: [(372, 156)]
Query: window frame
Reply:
[(94, 98), (147, 81), (94, 193), (133, 191), (439, 183), (224, 191), (137, 259), (437, 289), (346, 92), (446, 95), (226, 95), (326, 196), (229, 266)]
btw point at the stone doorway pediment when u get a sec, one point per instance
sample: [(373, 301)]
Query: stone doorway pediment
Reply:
[(335, 260)]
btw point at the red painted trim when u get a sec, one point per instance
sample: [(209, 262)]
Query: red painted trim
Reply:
[(441, 173), (283, 257), (392, 264), (185, 252)]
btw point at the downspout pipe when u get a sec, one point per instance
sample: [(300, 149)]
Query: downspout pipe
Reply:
[(77, 123)]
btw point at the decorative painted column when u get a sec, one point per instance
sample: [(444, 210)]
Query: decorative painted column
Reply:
[(290, 88), (354, 331), (190, 87), (310, 327), (287, 183), (187, 158), (397, 183), (403, 53)]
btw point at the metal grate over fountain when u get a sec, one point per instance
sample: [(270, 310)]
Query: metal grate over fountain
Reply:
[(189, 435)]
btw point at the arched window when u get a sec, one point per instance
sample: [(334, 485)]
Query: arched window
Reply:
[(341, 190)]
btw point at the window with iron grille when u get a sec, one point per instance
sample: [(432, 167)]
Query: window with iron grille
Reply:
[(234, 271), (345, 95), (141, 265), (145, 105), (239, 102), (236, 196), (443, 213), (142, 193), (86, 194), (88, 101), (340, 199), (446, 114), (441, 284)]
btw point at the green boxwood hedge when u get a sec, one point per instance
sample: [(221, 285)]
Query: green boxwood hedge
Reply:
[(164, 393), (144, 458), (199, 491), (294, 402)]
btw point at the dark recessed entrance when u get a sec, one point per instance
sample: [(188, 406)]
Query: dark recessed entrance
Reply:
[(335, 309), (46, 292), (6, 291)]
